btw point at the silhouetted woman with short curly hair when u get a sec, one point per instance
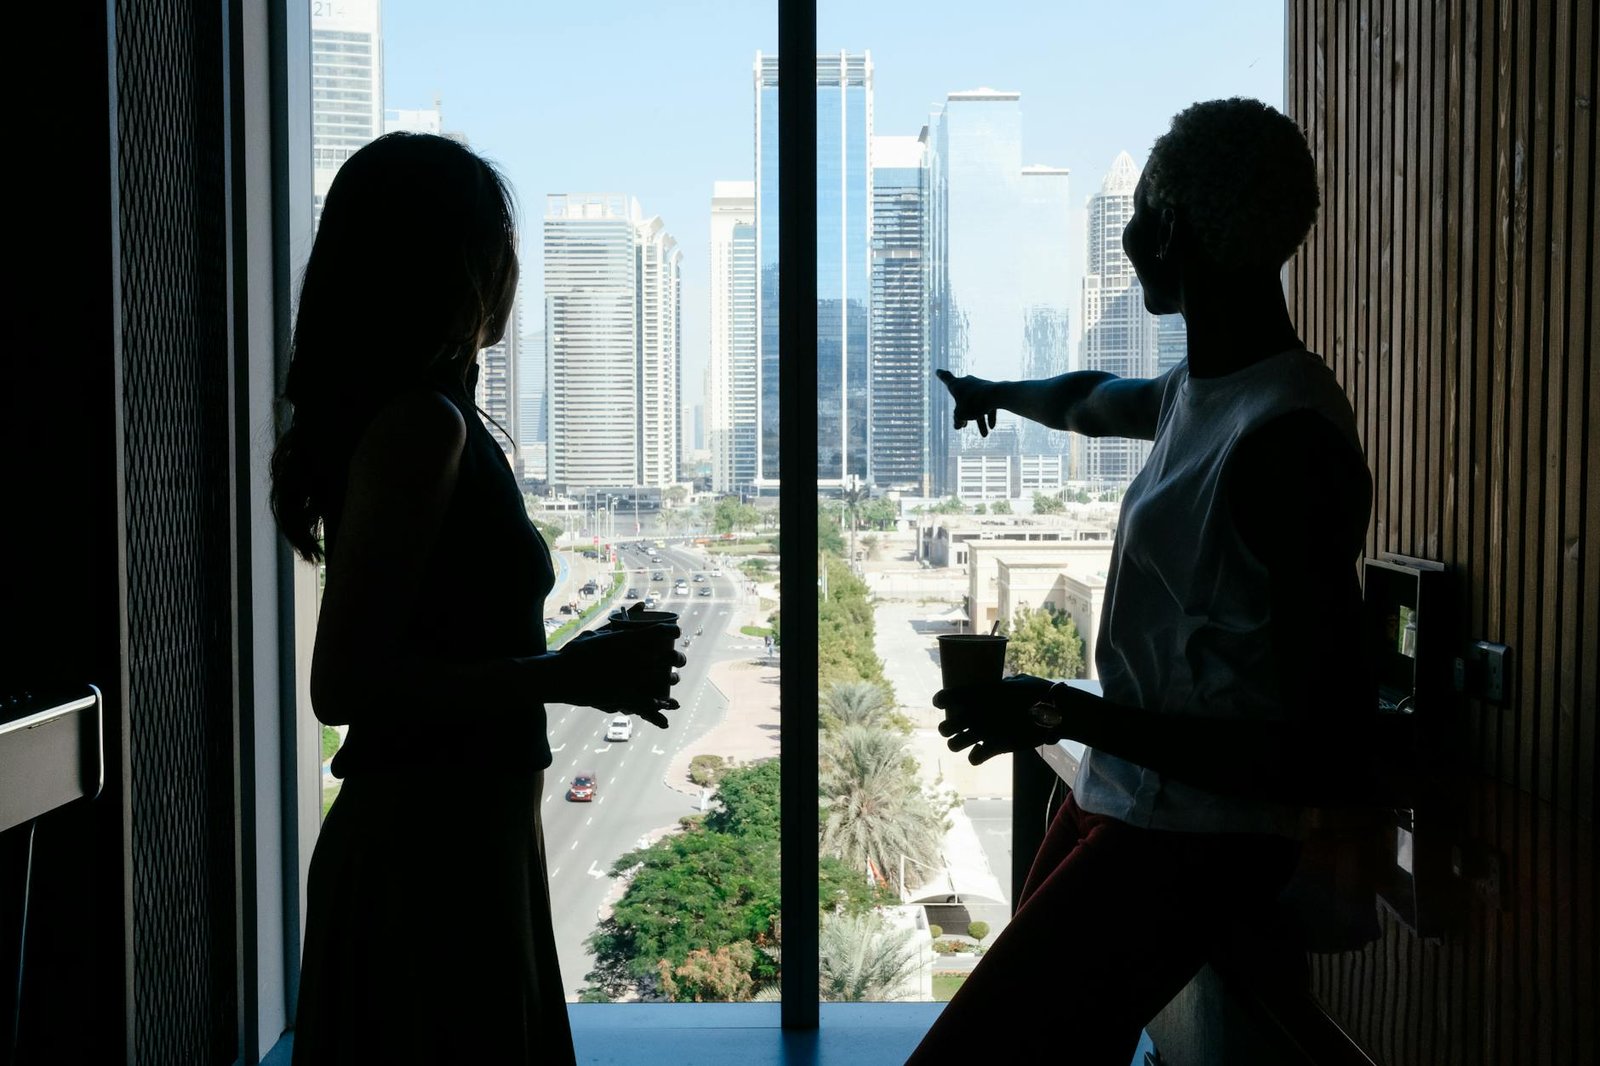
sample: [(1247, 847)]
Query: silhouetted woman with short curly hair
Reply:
[(428, 933), (1232, 698)]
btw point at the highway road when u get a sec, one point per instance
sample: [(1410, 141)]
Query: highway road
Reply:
[(582, 840)]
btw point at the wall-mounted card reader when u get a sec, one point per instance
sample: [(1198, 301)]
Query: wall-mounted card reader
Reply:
[(1408, 632)]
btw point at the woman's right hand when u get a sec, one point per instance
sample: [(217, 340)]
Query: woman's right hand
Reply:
[(625, 670), (974, 400)]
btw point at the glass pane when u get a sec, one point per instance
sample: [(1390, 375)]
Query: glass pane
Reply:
[(971, 201), (632, 401)]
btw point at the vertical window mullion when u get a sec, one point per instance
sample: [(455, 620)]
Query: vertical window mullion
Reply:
[(797, 464)]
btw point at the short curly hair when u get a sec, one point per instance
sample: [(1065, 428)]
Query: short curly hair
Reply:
[(1240, 174)]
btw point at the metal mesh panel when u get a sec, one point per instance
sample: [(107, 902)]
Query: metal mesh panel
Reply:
[(174, 321)]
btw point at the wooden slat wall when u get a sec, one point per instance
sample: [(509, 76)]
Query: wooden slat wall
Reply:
[(1450, 282)]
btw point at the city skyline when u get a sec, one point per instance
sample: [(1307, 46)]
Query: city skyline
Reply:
[(630, 129)]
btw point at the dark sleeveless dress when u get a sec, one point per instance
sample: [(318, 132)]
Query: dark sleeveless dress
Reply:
[(428, 936)]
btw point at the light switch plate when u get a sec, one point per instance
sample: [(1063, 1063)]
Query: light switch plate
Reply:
[(1489, 672)]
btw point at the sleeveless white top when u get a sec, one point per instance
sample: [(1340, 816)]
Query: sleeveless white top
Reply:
[(1186, 624)]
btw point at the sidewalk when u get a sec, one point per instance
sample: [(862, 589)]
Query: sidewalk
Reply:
[(909, 648)]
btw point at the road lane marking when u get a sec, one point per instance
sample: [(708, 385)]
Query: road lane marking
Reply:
[(557, 751), (589, 820), (656, 751), (574, 846), (593, 871), (555, 871), (601, 751)]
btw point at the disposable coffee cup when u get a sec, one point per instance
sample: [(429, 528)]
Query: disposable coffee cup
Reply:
[(621, 619), (971, 659)]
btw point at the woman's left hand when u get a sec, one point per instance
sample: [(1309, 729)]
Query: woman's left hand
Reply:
[(995, 718)]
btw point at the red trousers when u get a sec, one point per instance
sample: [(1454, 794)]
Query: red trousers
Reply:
[(1112, 923)]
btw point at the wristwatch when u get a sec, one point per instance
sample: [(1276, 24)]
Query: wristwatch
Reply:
[(1046, 713)]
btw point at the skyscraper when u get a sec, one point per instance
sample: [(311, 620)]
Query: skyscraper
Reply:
[(658, 310), (1119, 335), (897, 423), (532, 416), (613, 344), (731, 389), (497, 385), (844, 131), (997, 266), (1046, 290), (346, 86)]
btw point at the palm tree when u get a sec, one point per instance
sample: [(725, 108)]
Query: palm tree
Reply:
[(846, 703), (859, 958), (874, 811)]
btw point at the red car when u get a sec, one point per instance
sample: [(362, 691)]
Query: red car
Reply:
[(582, 788)]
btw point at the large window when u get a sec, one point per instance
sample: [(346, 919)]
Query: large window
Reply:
[(972, 179), (1001, 157)]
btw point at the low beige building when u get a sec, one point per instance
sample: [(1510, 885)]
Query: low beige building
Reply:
[(1004, 576)]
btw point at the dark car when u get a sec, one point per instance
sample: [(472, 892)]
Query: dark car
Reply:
[(582, 788), (658, 576), (566, 608), (699, 577), (589, 589), (705, 590), (631, 594)]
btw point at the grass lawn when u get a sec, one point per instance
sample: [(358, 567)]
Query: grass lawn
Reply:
[(755, 631), (945, 985)]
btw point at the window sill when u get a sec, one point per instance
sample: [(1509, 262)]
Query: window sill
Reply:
[(738, 1034)]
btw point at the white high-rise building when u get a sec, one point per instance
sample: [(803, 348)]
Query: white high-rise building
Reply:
[(660, 348), (1119, 335), (731, 385), (613, 344), (497, 385), (346, 86)]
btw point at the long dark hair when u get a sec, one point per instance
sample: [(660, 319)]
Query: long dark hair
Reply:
[(414, 267)]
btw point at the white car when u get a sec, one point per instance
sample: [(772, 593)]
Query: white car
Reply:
[(621, 728)]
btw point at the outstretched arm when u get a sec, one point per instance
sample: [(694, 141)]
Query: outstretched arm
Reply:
[(1090, 402)]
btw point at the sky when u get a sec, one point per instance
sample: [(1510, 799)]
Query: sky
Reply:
[(654, 98)]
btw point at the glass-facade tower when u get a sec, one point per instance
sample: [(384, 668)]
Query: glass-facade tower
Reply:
[(844, 131), (1046, 289), (897, 425)]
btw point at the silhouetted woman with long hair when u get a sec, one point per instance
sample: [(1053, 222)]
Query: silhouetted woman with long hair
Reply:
[(428, 933), (1234, 695)]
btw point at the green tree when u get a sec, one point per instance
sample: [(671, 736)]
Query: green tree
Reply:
[(1043, 504), (949, 506), (829, 539), (1044, 643), (880, 513), (713, 886), (1001, 507), (873, 808), (978, 930), (722, 976), (981, 508), (861, 958), (853, 703), (676, 494)]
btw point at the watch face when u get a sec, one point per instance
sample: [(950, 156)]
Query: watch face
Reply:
[(1046, 714)]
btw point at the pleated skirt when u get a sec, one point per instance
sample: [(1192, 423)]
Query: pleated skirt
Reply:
[(428, 936)]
